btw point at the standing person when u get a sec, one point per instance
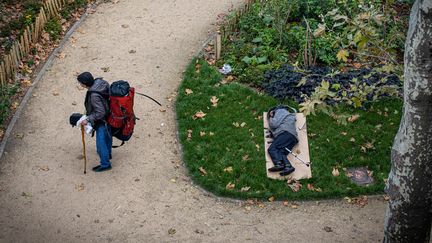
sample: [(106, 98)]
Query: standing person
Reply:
[(97, 110), (283, 129)]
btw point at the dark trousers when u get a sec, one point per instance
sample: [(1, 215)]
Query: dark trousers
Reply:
[(277, 149)]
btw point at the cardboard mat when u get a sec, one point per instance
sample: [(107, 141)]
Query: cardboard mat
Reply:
[(302, 171)]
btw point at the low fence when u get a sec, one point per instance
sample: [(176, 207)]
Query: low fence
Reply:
[(21, 47)]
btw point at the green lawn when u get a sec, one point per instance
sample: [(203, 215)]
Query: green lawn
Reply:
[(231, 135)]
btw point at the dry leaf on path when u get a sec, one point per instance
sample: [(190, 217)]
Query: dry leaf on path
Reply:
[(171, 231), (60, 55), (79, 187), (214, 100), (55, 93), (199, 114), (43, 168), (271, 199), (105, 69), (230, 186)]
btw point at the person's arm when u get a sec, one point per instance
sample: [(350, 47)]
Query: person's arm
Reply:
[(98, 108)]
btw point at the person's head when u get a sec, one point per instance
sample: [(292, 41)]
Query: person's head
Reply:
[(86, 79)]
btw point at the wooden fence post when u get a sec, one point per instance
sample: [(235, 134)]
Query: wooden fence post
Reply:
[(218, 45)]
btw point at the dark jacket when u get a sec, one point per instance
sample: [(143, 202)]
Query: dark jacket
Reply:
[(96, 102), (283, 121)]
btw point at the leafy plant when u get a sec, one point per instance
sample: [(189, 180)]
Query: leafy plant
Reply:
[(53, 28)]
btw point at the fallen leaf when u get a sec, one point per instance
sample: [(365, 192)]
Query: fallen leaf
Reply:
[(203, 171), (348, 199), (245, 158), (24, 194), (74, 103), (248, 208), (173, 180), (189, 135), (369, 145), (261, 205), (357, 65), (211, 134), (344, 133), (199, 114), (352, 139), (328, 229), (197, 67), (310, 187), (363, 149), (14, 105), (60, 55), (370, 173), (353, 118), (202, 134), (55, 93), (26, 82), (105, 69), (386, 197), (335, 172), (295, 186), (79, 187), (230, 186), (43, 168), (188, 91), (132, 51), (271, 199), (236, 124), (360, 201), (243, 124), (285, 203), (162, 110), (125, 26), (342, 55), (214, 100), (171, 231), (228, 169), (294, 206), (245, 188)]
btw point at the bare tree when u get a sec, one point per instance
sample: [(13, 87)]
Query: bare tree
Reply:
[(408, 217)]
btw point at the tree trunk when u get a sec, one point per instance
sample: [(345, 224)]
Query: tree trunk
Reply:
[(408, 217)]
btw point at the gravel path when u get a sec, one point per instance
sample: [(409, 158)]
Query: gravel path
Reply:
[(147, 197)]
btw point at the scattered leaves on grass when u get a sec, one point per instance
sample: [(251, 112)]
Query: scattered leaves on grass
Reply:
[(353, 118), (344, 133), (188, 91), (202, 134), (236, 124), (203, 171), (214, 100), (335, 171), (79, 187), (245, 189), (243, 124), (230, 186), (189, 134), (245, 157), (257, 147), (352, 139), (211, 134), (197, 67), (311, 187), (294, 185), (228, 169), (199, 114), (227, 80)]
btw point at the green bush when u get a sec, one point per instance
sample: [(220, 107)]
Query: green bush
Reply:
[(54, 28)]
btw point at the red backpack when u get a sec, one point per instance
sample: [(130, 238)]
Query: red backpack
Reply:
[(121, 117)]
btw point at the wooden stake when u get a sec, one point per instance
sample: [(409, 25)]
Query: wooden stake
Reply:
[(218, 45)]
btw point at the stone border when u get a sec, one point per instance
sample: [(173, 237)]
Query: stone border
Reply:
[(39, 76)]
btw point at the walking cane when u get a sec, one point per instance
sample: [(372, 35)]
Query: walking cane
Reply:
[(295, 155), (84, 149)]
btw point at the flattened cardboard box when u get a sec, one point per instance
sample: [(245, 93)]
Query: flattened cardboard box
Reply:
[(302, 171)]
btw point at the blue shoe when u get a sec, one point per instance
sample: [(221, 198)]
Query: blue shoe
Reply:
[(101, 169)]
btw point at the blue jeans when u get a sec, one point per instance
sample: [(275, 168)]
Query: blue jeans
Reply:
[(277, 149), (104, 144)]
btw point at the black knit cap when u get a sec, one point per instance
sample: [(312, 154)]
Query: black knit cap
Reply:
[(86, 78)]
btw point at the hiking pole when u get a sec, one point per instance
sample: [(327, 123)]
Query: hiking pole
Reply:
[(84, 149), (149, 98), (295, 155)]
